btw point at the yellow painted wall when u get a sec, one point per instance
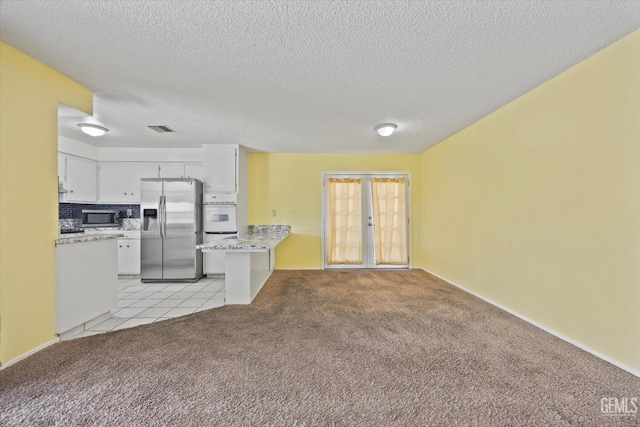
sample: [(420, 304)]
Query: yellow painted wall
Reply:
[(542, 200), (292, 185), (29, 95)]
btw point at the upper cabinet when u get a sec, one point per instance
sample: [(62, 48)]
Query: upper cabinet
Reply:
[(114, 182), (171, 171), (81, 179), (117, 182), (62, 168), (120, 182), (136, 173), (182, 171), (221, 168), (194, 171)]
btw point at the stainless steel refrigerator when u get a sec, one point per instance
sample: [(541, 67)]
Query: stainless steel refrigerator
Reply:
[(171, 228)]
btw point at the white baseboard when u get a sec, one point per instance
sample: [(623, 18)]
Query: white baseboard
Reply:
[(28, 353), (538, 325)]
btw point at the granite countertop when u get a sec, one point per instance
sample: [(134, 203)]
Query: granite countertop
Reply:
[(64, 239), (251, 242)]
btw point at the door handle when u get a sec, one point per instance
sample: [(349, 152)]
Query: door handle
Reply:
[(164, 217), (371, 225), (160, 217)]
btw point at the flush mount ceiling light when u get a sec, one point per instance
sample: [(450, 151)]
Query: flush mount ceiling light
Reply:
[(92, 130), (386, 129)]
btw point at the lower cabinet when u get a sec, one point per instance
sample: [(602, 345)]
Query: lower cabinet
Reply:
[(128, 256)]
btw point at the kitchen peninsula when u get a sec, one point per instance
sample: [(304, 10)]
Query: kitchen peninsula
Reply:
[(86, 279), (249, 260)]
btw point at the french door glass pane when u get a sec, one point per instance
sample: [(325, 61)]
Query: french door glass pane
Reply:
[(388, 199), (345, 221)]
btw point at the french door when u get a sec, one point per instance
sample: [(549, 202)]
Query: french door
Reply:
[(366, 220)]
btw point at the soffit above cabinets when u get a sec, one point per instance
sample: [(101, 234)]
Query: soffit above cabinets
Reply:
[(284, 76)]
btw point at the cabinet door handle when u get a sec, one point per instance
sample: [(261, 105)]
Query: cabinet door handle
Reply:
[(125, 194), (70, 191), (120, 245), (127, 245)]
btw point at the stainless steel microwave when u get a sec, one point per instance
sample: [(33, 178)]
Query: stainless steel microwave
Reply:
[(95, 218)]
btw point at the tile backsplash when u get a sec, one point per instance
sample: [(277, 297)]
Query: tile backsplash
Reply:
[(74, 210)]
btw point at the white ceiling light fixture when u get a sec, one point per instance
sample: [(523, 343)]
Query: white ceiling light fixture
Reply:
[(92, 130), (386, 129)]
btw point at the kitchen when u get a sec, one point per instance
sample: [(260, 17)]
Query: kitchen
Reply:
[(117, 199)]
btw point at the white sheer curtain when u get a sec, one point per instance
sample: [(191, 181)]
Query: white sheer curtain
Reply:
[(345, 221), (388, 196)]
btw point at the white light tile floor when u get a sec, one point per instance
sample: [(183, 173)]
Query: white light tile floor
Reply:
[(141, 303)]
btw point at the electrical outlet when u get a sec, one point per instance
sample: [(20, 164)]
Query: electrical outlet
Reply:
[(473, 274), (273, 212)]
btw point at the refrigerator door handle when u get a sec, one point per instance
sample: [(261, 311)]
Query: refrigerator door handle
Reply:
[(164, 217), (161, 217)]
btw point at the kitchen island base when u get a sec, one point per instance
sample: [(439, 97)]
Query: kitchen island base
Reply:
[(249, 260), (246, 273), (86, 280)]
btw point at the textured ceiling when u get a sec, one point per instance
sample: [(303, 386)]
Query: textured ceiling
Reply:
[(306, 76)]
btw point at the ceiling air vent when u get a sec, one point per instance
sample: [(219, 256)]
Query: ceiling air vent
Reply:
[(161, 128)]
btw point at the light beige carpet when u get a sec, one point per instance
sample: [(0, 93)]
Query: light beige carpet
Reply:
[(321, 348)]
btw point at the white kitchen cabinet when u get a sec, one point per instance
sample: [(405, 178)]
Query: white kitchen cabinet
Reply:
[(171, 171), (136, 173), (113, 182), (221, 168), (62, 168), (194, 171), (182, 171), (120, 181), (82, 180), (128, 256)]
